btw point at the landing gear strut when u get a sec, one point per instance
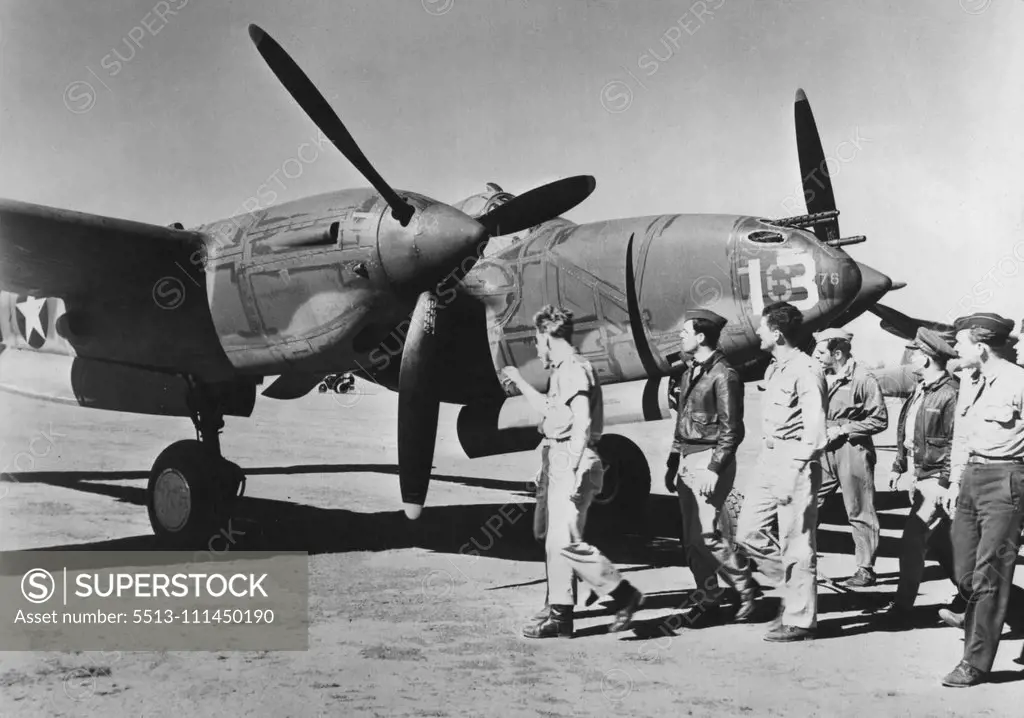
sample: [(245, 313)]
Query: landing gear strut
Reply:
[(191, 486)]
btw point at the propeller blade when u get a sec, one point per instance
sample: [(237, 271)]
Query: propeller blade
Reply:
[(316, 107), (817, 183), (418, 405), (538, 205), (899, 324)]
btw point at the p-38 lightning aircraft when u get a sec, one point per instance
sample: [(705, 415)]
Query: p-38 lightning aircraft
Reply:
[(409, 299)]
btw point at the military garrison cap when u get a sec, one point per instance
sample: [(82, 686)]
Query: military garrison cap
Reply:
[(1000, 326), (717, 319), (833, 333), (932, 343)]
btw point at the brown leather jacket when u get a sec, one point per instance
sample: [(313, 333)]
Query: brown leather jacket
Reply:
[(933, 430), (710, 411)]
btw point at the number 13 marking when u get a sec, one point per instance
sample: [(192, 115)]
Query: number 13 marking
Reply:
[(803, 281)]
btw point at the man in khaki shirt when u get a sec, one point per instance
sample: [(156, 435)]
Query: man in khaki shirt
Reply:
[(572, 423), (786, 484), (987, 486)]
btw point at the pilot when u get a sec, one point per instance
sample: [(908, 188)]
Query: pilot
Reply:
[(786, 484), (573, 418), (856, 412), (924, 436), (702, 466), (988, 444)]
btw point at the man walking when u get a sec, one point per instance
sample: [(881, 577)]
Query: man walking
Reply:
[(924, 438), (989, 444), (789, 473), (573, 418), (702, 467), (856, 412)]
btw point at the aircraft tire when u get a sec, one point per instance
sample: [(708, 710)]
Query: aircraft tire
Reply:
[(182, 496), (627, 483), (731, 508)]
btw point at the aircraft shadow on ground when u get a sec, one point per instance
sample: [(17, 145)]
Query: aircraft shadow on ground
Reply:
[(491, 530), (69, 478), (488, 529)]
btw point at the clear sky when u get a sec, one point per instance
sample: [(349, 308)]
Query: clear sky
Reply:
[(672, 106)]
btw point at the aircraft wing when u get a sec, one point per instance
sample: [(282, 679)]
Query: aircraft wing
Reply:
[(134, 293)]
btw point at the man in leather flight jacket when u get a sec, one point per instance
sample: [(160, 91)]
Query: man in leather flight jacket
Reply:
[(924, 435), (856, 412), (702, 466)]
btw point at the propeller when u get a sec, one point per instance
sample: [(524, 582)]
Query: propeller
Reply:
[(418, 393), (313, 103), (817, 183), (456, 241)]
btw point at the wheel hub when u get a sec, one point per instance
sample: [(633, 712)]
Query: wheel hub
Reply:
[(172, 499)]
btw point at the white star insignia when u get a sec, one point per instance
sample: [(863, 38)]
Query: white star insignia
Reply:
[(31, 309)]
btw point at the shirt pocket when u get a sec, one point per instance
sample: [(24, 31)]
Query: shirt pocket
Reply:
[(782, 397), (998, 412), (778, 404)]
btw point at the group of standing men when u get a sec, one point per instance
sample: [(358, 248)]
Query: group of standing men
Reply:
[(960, 439)]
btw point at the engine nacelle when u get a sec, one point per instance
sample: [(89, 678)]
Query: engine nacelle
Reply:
[(511, 426)]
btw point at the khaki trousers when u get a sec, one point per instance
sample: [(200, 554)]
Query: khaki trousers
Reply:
[(851, 469), (568, 496), (786, 489)]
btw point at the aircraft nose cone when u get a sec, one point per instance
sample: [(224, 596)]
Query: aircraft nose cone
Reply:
[(438, 241), (873, 286)]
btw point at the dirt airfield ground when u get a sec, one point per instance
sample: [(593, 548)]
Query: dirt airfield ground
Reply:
[(404, 624)]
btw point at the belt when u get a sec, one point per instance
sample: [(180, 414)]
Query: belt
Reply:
[(979, 459), (549, 440)]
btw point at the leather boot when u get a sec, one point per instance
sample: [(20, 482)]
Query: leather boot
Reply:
[(558, 624), (628, 600), (748, 602)]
